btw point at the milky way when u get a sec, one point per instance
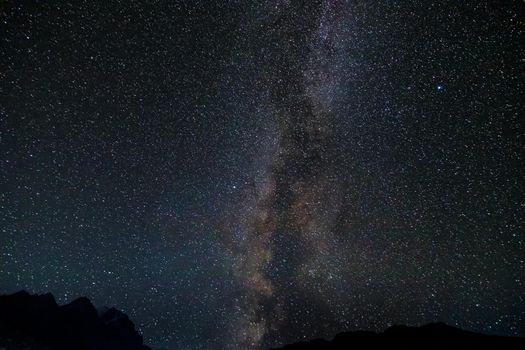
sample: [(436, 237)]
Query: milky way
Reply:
[(242, 175)]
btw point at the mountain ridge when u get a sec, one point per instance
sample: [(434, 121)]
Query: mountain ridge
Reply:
[(432, 336), (37, 322), (32, 321)]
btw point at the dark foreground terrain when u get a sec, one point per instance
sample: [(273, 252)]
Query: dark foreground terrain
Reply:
[(435, 336), (37, 322)]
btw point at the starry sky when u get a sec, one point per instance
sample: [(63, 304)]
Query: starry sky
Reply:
[(245, 174)]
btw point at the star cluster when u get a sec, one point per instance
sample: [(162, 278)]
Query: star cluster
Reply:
[(245, 174)]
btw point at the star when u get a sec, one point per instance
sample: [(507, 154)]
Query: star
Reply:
[(320, 168)]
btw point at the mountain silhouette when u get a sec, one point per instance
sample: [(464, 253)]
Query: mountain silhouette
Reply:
[(37, 322), (434, 336)]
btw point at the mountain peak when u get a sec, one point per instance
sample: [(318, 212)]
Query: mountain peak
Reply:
[(37, 321)]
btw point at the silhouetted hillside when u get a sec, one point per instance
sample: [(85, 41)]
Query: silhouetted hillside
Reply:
[(435, 336), (37, 322)]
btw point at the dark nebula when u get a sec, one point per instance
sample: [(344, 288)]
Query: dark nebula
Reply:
[(247, 174)]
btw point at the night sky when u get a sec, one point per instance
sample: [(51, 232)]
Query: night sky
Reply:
[(245, 174)]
